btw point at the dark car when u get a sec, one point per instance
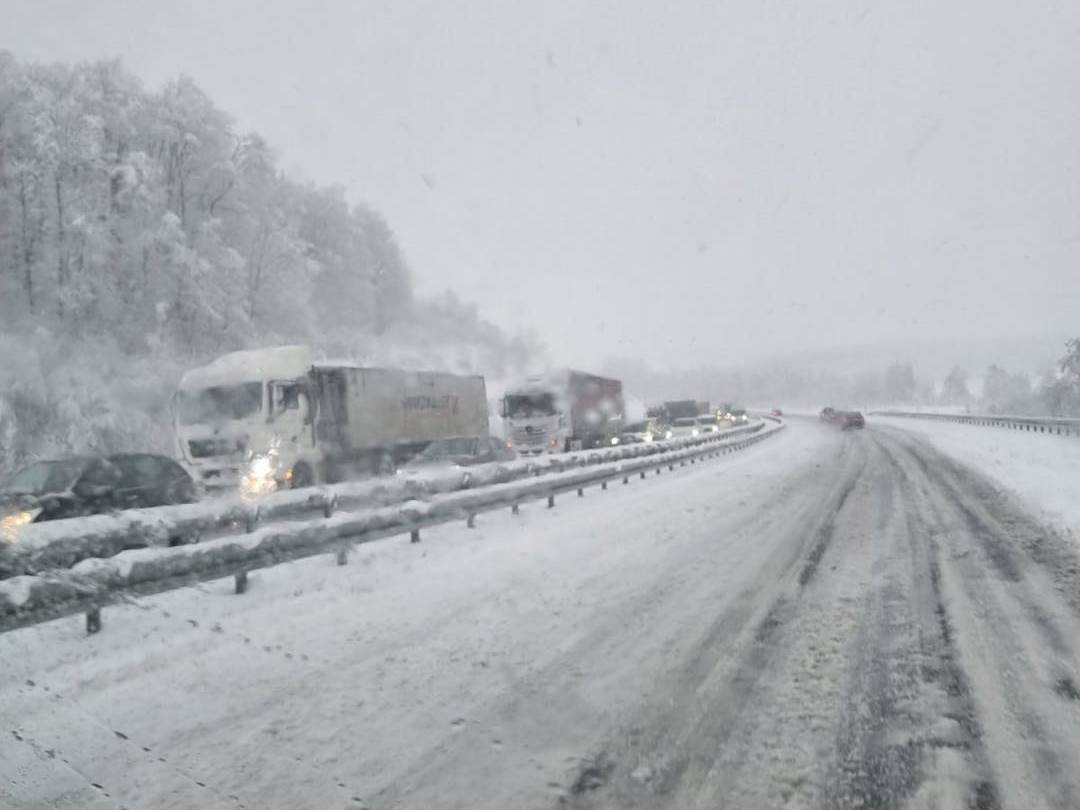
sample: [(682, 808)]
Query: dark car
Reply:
[(829, 414), (92, 485), (852, 419)]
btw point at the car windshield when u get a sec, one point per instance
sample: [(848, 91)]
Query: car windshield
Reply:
[(219, 403), (44, 477), (524, 406), (448, 449), (300, 279)]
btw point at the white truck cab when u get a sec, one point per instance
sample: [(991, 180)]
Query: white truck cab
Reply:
[(247, 420)]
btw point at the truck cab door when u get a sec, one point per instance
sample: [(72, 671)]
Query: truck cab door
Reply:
[(290, 411)]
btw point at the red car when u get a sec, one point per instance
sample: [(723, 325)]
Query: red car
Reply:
[(776, 412)]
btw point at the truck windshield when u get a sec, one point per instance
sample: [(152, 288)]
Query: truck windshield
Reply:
[(219, 403), (522, 406)]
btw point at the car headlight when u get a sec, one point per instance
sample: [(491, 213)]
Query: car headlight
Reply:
[(668, 435), (614, 440), (11, 523), (694, 432), (648, 437)]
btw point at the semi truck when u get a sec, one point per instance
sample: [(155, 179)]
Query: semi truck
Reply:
[(266, 419), (682, 409), (563, 410)]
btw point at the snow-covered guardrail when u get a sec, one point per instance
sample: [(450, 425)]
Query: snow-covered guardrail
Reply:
[(1031, 424), (95, 582), (63, 543)]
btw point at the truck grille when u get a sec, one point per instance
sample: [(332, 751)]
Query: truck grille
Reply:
[(206, 448), (530, 438)]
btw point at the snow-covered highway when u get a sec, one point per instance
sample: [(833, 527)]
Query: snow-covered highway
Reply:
[(825, 620)]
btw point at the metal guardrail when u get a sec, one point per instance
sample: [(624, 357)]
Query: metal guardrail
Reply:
[(62, 544), (1031, 424), (97, 582)]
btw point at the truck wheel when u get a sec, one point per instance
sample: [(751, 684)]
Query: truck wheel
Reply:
[(302, 476)]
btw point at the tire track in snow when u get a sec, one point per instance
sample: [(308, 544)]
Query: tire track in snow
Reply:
[(999, 576)]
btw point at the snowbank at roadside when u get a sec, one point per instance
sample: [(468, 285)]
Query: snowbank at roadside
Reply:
[(1043, 469)]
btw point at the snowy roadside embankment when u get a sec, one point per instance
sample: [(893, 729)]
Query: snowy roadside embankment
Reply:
[(1043, 469)]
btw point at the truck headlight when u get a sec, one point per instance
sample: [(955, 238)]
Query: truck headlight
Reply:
[(260, 478)]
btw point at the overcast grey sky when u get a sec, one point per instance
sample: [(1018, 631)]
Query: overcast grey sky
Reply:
[(688, 180)]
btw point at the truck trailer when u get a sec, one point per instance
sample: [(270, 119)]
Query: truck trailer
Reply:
[(564, 410), (270, 418)]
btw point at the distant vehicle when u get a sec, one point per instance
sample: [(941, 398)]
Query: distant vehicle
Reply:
[(707, 424), (828, 414), (852, 419), (457, 453), (739, 416), (648, 431), (274, 418), (565, 410), (776, 412), (91, 485), (685, 426), (681, 409)]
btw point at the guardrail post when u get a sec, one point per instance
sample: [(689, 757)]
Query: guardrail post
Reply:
[(342, 555), (251, 518), (626, 479), (603, 485), (581, 492), (642, 475), (414, 536), (471, 521), (514, 509), (657, 470), (240, 581), (670, 467), (93, 621), (551, 501), (329, 506)]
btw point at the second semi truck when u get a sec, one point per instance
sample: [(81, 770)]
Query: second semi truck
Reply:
[(565, 410)]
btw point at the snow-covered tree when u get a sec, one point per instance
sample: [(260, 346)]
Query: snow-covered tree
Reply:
[(954, 390), (142, 224)]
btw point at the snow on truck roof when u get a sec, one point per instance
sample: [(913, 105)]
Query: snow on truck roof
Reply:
[(278, 363), (250, 365)]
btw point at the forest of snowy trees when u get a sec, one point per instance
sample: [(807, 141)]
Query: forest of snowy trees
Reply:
[(140, 233), (1056, 393)]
